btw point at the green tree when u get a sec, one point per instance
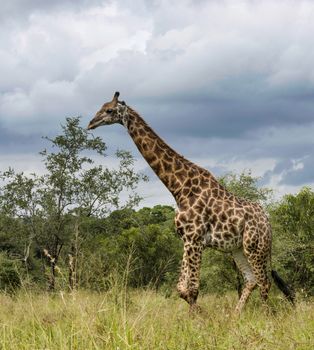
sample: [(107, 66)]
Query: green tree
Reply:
[(9, 273), (73, 187), (293, 226), (244, 185), (21, 217), (145, 240)]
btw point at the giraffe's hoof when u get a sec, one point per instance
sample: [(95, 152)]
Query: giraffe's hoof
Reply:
[(267, 310), (195, 309), (236, 314)]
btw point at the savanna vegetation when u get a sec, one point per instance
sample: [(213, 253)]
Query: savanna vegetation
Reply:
[(80, 267)]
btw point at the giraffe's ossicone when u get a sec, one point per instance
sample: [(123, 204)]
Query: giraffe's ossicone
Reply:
[(207, 215)]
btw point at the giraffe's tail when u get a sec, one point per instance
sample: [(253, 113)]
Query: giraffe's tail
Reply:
[(283, 286)]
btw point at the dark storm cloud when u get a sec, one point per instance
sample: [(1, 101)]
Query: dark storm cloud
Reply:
[(229, 118), (12, 142), (300, 174), (13, 10), (297, 172)]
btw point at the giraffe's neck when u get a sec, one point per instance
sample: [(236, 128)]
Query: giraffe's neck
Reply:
[(172, 169)]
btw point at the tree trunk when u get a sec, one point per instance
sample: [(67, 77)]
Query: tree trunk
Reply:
[(53, 259), (73, 259), (52, 280)]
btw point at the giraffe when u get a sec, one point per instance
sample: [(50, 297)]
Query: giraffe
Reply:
[(207, 214)]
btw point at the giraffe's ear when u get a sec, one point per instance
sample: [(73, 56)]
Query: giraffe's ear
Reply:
[(116, 95)]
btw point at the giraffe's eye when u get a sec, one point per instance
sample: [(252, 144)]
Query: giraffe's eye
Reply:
[(109, 111)]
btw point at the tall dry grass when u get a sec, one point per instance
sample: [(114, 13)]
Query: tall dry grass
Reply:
[(120, 319)]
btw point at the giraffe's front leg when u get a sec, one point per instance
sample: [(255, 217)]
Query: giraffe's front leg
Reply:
[(188, 285)]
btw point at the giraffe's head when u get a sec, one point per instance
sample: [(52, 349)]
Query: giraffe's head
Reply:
[(110, 113)]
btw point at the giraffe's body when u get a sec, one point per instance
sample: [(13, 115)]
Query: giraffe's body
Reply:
[(207, 215)]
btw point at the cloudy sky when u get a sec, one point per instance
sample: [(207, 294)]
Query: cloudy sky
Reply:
[(228, 84)]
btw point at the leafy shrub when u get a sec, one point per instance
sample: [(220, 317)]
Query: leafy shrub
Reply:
[(9, 273)]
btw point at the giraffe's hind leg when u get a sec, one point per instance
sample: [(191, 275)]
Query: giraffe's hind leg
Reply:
[(248, 275), (259, 267), (257, 252)]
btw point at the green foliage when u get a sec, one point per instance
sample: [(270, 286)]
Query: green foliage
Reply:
[(72, 188), (156, 251), (293, 223), (9, 273), (145, 241), (76, 183), (218, 272), (246, 186)]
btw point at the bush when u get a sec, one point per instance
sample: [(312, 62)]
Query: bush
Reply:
[(293, 222), (9, 274)]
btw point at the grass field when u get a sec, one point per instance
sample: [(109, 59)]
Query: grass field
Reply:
[(146, 320)]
